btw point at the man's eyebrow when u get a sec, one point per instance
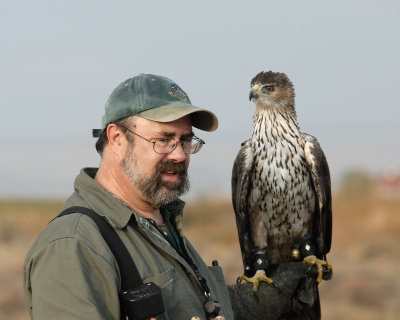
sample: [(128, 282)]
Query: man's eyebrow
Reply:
[(172, 134)]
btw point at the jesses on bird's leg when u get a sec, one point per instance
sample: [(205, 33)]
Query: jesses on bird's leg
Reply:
[(260, 264)]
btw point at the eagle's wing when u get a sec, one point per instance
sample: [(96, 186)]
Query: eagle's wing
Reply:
[(322, 219), (241, 176)]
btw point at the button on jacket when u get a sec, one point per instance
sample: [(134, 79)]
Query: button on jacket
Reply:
[(70, 273)]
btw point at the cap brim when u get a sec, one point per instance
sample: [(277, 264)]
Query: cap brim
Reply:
[(201, 119)]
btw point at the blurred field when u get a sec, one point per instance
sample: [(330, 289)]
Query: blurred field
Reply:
[(365, 253)]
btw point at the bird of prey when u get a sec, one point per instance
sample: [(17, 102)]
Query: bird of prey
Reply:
[(281, 190)]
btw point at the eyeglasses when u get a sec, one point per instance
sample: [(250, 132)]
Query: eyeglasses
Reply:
[(189, 145)]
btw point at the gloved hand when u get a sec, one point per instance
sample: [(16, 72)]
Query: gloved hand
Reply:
[(269, 302)]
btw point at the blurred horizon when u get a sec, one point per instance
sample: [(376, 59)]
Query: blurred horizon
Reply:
[(61, 60), (353, 181), (365, 251)]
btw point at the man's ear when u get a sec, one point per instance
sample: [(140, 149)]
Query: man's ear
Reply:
[(116, 140)]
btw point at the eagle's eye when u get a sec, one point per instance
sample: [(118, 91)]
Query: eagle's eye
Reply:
[(268, 89)]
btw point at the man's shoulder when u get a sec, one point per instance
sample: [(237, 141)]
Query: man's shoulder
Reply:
[(71, 231), (73, 225)]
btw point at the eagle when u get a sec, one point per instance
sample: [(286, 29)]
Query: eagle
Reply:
[(281, 190)]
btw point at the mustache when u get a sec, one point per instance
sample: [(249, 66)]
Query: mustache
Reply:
[(168, 165)]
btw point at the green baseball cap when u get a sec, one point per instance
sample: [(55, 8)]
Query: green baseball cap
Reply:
[(154, 98)]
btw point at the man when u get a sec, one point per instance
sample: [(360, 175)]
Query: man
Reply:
[(145, 144)]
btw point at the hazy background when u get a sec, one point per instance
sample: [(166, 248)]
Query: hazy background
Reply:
[(60, 60)]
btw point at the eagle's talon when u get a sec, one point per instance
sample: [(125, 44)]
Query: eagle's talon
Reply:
[(256, 279), (318, 263)]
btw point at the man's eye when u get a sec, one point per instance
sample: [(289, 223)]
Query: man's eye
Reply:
[(163, 141)]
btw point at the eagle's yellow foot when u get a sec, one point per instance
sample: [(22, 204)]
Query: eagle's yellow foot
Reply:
[(256, 279), (319, 263)]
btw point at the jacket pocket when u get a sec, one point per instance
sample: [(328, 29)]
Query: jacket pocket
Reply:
[(179, 295), (162, 279)]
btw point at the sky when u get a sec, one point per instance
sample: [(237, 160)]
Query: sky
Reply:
[(60, 61)]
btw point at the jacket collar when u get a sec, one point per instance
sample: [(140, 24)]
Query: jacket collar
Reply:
[(111, 207)]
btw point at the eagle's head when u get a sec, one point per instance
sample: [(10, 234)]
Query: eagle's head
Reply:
[(273, 90)]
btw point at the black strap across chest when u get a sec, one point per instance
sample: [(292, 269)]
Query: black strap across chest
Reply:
[(147, 305), (130, 277)]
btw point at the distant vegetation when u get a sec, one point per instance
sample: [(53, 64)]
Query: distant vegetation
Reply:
[(355, 182), (365, 251)]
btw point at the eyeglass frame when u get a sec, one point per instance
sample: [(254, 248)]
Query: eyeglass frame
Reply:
[(200, 141)]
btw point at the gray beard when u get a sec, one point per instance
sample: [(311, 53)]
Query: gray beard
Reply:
[(157, 191)]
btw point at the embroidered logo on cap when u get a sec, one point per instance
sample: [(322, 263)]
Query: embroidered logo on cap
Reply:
[(177, 92)]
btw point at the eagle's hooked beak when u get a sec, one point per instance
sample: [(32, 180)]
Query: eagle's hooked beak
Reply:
[(253, 94)]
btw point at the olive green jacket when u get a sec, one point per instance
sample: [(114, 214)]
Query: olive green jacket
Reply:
[(70, 273)]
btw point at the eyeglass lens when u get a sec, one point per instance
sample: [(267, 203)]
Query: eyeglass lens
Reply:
[(168, 145)]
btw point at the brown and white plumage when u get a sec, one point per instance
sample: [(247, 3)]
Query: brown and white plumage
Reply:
[(280, 183)]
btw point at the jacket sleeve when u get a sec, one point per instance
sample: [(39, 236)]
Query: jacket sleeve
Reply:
[(67, 278)]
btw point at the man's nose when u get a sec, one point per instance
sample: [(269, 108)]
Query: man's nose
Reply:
[(178, 154)]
